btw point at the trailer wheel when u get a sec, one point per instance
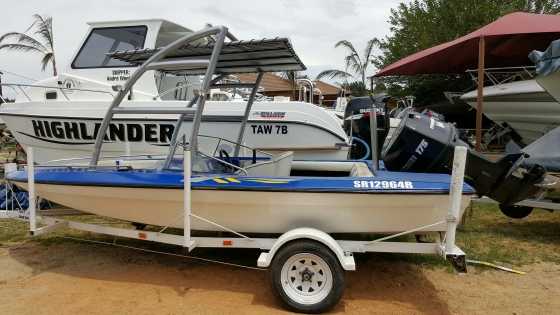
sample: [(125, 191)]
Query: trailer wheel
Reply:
[(516, 212), (307, 276)]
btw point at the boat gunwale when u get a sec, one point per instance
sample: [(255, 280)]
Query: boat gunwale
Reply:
[(230, 182)]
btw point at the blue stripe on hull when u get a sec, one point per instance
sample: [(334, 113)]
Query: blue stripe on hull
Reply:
[(383, 182)]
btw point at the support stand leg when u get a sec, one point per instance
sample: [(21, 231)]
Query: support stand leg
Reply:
[(31, 189), (452, 253)]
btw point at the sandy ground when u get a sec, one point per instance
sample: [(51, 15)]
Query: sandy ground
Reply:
[(83, 278)]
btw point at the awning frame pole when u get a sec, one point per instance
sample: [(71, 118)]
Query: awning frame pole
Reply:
[(480, 92), (205, 88), (373, 137)]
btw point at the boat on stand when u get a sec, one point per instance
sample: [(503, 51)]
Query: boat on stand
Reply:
[(515, 99), (248, 192)]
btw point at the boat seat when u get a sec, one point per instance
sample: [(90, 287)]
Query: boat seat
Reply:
[(279, 165), (360, 169)]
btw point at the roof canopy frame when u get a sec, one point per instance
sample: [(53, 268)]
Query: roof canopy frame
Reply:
[(171, 59), (502, 43), (252, 56)]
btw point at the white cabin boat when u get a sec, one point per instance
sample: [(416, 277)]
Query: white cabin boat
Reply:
[(60, 116), (524, 105)]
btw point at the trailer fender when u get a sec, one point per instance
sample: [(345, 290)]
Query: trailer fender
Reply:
[(346, 259)]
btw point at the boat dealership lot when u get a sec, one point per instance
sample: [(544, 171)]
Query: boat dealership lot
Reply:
[(56, 275)]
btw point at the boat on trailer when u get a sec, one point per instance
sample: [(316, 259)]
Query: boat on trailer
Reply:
[(251, 191), (60, 116), (358, 203)]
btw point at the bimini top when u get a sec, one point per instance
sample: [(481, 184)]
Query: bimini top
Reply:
[(251, 56)]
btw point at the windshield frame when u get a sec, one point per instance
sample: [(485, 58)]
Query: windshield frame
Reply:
[(73, 64)]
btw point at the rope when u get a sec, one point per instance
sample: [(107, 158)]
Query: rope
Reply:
[(18, 75), (484, 263), (164, 253), (366, 146)]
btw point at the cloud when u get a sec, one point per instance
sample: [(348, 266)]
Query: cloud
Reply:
[(314, 26)]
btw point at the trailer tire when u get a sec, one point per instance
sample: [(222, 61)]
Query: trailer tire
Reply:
[(516, 212), (307, 276)]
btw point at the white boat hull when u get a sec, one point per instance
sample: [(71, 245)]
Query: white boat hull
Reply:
[(551, 84), (260, 211), (55, 132), (523, 105)]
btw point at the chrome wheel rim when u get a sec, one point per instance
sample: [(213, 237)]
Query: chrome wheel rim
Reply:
[(306, 278)]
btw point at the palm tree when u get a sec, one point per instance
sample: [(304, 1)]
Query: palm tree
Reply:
[(43, 44), (354, 62), (292, 77)]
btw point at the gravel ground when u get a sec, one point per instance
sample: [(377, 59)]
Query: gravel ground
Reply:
[(69, 277)]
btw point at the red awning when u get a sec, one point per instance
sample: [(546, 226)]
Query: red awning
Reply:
[(508, 41)]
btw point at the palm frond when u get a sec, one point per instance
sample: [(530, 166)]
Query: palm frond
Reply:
[(353, 63), (333, 73), (44, 44), (44, 29), (369, 48), (23, 39), (348, 45), (45, 60), (21, 47)]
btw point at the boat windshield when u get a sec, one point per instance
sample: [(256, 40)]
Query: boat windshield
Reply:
[(101, 41)]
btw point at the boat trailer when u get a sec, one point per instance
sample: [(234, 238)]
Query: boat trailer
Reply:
[(341, 250)]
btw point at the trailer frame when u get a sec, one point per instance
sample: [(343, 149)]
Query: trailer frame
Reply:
[(343, 249)]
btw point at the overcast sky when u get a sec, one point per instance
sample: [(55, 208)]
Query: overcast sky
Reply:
[(314, 26)]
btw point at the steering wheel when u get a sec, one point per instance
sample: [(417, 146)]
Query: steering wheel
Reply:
[(224, 156)]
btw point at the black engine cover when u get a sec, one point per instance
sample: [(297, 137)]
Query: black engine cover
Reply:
[(423, 144)]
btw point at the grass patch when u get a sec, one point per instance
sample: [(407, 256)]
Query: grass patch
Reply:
[(488, 235), (12, 231)]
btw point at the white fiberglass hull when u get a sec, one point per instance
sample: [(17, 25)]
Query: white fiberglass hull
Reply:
[(61, 130), (551, 84), (260, 211), (524, 106)]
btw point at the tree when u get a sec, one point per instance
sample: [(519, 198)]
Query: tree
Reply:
[(292, 77), (355, 63), (356, 88), (421, 24), (42, 44)]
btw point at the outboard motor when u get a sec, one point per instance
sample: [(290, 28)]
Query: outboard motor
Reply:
[(424, 144), (356, 123)]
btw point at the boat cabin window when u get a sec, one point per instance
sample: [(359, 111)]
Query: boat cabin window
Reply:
[(102, 41)]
